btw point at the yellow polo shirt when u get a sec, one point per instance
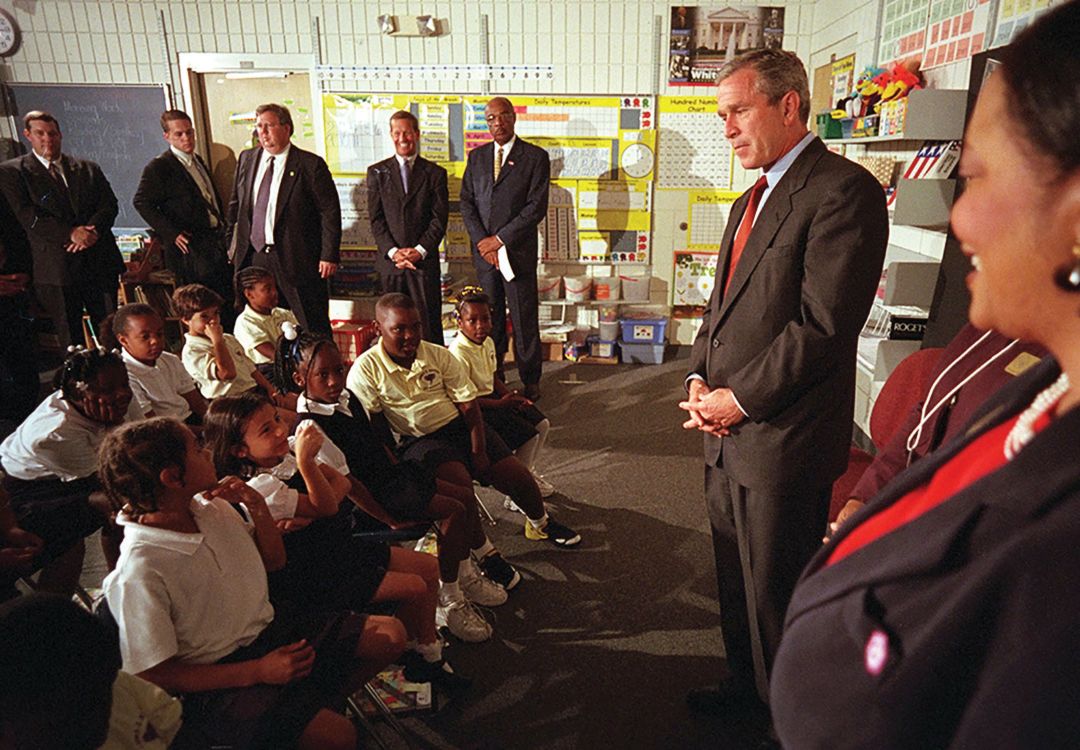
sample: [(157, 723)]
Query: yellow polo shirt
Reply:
[(417, 400), (478, 360)]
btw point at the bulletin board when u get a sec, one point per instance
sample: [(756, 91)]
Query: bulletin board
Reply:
[(603, 158), (693, 151)]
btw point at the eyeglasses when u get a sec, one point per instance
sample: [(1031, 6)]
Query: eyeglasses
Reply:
[(504, 116)]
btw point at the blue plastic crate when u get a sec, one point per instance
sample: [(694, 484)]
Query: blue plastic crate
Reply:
[(645, 354), (644, 330)]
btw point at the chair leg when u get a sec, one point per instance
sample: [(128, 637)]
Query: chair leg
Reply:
[(482, 509), (391, 719), (362, 721)]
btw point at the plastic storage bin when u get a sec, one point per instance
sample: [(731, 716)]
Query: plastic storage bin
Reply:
[(578, 288), (549, 287), (635, 288), (643, 354), (603, 348), (644, 330), (609, 330), (353, 338), (606, 287)]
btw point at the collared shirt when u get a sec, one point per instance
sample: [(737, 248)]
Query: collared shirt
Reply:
[(271, 483), (275, 186), (478, 361), (202, 180), (57, 440), (506, 148), (197, 597), (160, 387), (59, 165), (253, 328), (772, 176), (198, 358), (417, 400), (412, 163)]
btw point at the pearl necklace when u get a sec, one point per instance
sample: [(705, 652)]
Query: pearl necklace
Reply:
[(1023, 431)]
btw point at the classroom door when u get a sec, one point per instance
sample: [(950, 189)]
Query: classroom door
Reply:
[(228, 102)]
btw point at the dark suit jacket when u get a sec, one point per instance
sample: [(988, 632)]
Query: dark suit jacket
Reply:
[(511, 208), (307, 223), (399, 220), (171, 202), (784, 337), (48, 220), (977, 602)]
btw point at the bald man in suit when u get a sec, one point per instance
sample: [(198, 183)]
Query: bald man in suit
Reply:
[(504, 197)]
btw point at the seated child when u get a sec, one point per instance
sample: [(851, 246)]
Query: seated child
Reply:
[(63, 688), (213, 358), (161, 385), (190, 597), (403, 491), (51, 461), (328, 568), (519, 423), (258, 326), (420, 391)]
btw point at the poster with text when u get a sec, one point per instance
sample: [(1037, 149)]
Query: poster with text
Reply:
[(702, 39)]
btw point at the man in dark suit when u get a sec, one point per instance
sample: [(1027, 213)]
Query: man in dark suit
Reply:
[(67, 209), (178, 200), (772, 377), (504, 197), (285, 216), (408, 204)]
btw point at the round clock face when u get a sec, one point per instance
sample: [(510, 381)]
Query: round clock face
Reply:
[(9, 33), (637, 160)]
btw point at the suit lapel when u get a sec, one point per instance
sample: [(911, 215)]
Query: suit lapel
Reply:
[(394, 167), (508, 161), (1022, 487), (250, 170), (770, 217), (288, 180), (416, 178)]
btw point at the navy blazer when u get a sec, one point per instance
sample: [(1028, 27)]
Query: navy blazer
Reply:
[(784, 337), (512, 207), (961, 628), (307, 221), (400, 220), (48, 218)]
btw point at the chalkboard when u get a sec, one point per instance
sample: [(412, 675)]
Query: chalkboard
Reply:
[(119, 127)]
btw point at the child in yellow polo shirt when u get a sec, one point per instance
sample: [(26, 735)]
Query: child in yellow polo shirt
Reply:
[(421, 392)]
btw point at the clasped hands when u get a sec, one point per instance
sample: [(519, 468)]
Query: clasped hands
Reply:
[(407, 258), (711, 410), (489, 249), (82, 237)]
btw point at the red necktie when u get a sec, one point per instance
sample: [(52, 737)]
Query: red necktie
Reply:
[(747, 223)]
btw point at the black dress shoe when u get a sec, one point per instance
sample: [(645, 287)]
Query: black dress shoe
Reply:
[(532, 391), (722, 700)]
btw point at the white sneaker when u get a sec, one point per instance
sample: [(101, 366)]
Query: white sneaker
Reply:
[(463, 621), (546, 488), (509, 504), (481, 590)]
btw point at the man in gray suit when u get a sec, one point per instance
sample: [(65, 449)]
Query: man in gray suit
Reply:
[(408, 204), (504, 197), (772, 376)]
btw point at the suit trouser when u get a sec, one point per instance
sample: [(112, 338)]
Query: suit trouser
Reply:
[(206, 263), (423, 287), (65, 304), (521, 296), (762, 540), (309, 300), (18, 360)]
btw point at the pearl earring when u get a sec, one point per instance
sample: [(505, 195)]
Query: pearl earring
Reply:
[(1068, 277)]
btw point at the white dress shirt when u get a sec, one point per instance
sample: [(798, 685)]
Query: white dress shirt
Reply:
[(275, 186)]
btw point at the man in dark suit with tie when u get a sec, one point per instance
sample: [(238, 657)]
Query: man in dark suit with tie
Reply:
[(772, 376), (285, 216), (408, 204), (67, 209), (177, 198), (504, 197)]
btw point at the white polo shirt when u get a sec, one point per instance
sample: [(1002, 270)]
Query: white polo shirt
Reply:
[(253, 328), (56, 440), (198, 358), (158, 387), (281, 500), (196, 597)]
